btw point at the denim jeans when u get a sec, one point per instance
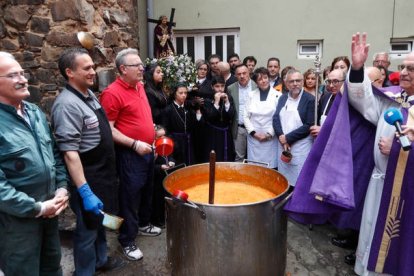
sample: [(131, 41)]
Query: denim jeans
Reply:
[(89, 246), (136, 174)]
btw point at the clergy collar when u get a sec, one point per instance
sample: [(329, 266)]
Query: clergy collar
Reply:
[(201, 80), (177, 105)]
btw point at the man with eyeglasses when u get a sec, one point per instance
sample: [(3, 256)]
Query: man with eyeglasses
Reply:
[(386, 240), (84, 137), (382, 59), (292, 121), (129, 114), (33, 180), (333, 84)]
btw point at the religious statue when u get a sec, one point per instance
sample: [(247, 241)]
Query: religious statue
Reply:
[(163, 46)]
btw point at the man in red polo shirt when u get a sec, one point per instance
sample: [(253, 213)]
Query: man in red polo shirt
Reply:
[(129, 115)]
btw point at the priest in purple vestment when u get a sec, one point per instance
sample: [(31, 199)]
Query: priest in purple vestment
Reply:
[(386, 241)]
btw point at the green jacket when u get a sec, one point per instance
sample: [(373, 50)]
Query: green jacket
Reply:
[(31, 168)]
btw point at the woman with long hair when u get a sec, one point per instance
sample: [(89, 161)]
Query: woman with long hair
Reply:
[(309, 84), (153, 88)]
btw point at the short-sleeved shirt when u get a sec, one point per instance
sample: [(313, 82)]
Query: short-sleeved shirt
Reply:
[(75, 124), (128, 107)]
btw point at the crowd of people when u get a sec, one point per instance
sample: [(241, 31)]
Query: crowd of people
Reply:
[(100, 150)]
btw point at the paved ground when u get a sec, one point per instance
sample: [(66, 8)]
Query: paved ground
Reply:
[(309, 253)]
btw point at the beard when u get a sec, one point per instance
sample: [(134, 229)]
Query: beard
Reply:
[(295, 91)]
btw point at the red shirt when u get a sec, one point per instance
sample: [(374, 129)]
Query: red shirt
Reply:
[(128, 107)]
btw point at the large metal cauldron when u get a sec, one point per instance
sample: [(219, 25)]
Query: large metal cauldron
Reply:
[(245, 239)]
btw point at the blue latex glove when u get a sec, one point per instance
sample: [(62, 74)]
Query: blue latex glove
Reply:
[(91, 202)]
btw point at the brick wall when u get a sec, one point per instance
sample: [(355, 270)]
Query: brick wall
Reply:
[(37, 31)]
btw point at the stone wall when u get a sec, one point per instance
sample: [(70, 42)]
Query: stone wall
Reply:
[(37, 31)]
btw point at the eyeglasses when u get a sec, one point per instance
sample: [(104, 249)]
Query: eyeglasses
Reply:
[(134, 65), (293, 81), (17, 75), (410, 68), (333, 82), (376, 80), (381, 62)]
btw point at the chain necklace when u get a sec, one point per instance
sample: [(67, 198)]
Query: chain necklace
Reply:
[(179, 116)]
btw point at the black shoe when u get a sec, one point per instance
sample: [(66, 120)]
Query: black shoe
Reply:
[(112, 263), (350, 259), (344, 243), (159, 224)]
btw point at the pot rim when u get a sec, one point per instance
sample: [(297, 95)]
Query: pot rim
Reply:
[(279, 196)]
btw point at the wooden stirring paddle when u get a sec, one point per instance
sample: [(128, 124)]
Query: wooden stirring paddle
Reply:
[(212, 177)]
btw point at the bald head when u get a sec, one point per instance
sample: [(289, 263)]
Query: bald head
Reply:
[(224, 68), (335, 80), (374, 74)]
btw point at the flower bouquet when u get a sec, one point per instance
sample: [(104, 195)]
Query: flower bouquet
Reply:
[(176, 69)]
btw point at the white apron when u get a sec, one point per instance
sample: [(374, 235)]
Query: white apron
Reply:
[(323, 116), (290, 120), (262, 119)]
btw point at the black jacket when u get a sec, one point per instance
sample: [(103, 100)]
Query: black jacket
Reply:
[(306, 110)]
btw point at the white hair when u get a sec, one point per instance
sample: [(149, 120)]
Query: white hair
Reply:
[(6, 55), (290, 72), (374, 57), (120, 57)]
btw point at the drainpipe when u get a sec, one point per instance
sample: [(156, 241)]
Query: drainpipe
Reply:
[(150, 31)]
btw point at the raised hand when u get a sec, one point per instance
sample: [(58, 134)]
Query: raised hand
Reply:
[(359, 50)]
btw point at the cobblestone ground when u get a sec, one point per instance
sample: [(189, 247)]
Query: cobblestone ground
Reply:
[(309, 252)]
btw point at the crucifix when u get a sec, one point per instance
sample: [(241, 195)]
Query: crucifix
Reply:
[(170, 23), (163, 46)]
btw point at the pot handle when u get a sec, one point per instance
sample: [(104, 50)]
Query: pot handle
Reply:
[(283, 202), (176, 167), (245, 161), (173, 202)]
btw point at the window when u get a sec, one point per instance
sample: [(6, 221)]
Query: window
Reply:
[(200, 44), (309, 49), (399, 48)]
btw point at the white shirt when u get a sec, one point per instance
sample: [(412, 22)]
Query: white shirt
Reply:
[(243, 93), (200, 81)]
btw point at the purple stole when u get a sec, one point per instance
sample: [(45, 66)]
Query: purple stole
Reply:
[(333, 181), (392, 249)]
